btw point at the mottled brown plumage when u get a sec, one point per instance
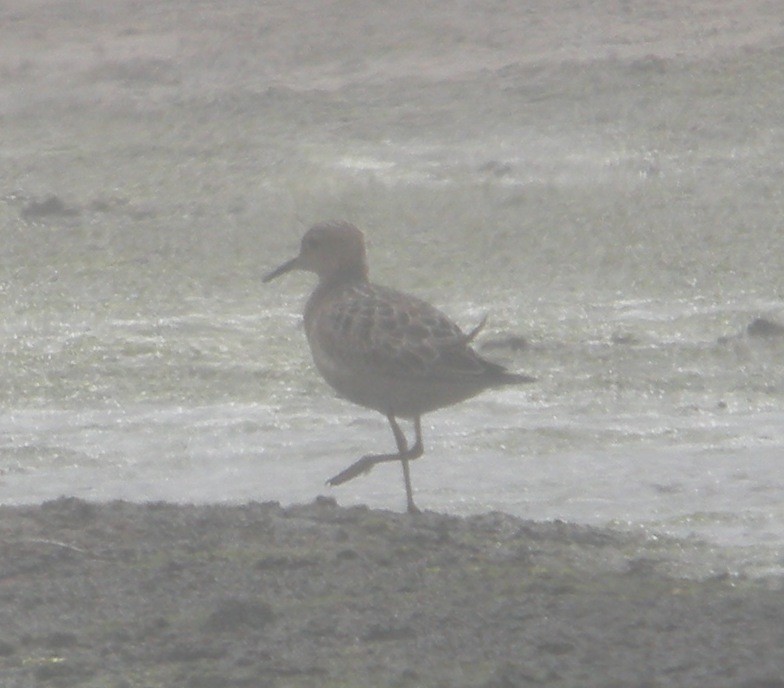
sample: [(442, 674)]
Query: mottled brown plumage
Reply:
[(381, 348)]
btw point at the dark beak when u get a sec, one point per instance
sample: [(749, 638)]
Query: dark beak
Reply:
[(290, 265)]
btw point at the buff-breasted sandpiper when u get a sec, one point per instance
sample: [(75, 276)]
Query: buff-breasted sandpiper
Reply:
[(384, 349)]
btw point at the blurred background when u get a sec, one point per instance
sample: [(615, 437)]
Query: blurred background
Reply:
[(603, 178)]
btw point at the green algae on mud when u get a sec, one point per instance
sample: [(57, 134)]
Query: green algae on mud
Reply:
[(123, 594)]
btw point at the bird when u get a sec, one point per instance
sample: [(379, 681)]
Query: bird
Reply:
[(384, 349)]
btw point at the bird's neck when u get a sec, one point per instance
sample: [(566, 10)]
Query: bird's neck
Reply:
[(350, 274)]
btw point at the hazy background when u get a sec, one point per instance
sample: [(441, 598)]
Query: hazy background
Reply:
[(603, 178)]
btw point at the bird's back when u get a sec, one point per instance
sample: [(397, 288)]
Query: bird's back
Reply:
[(393, 352)]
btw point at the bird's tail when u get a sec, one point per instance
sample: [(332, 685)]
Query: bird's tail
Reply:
[(472, 334), (498, 374), (501, 376)]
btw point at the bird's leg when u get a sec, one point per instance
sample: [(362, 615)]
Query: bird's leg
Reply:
[(407, 455), (404, 455)]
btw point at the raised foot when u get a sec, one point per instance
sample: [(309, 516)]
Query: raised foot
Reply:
[(358, 468)]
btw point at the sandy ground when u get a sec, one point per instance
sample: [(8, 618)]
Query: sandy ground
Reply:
[(120, 595), (122, 118)]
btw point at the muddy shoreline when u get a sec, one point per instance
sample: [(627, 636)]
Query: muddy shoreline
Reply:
[(123, 594)]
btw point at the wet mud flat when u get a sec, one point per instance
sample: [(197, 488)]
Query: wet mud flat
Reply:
[(121, 595)]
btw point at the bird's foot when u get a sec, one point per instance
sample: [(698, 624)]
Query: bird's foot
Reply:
[(357, 468)]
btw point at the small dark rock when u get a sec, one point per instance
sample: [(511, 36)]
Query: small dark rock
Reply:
[(762, 327), (512, 342), (624, 338), (497, 168), (51, 206)]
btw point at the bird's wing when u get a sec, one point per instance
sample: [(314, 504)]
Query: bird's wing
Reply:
[(395, 334)]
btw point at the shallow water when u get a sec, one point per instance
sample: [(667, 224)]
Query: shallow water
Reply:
[(653, 412), (620, 216)]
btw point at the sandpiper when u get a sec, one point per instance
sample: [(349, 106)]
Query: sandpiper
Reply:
[(381, 348)]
